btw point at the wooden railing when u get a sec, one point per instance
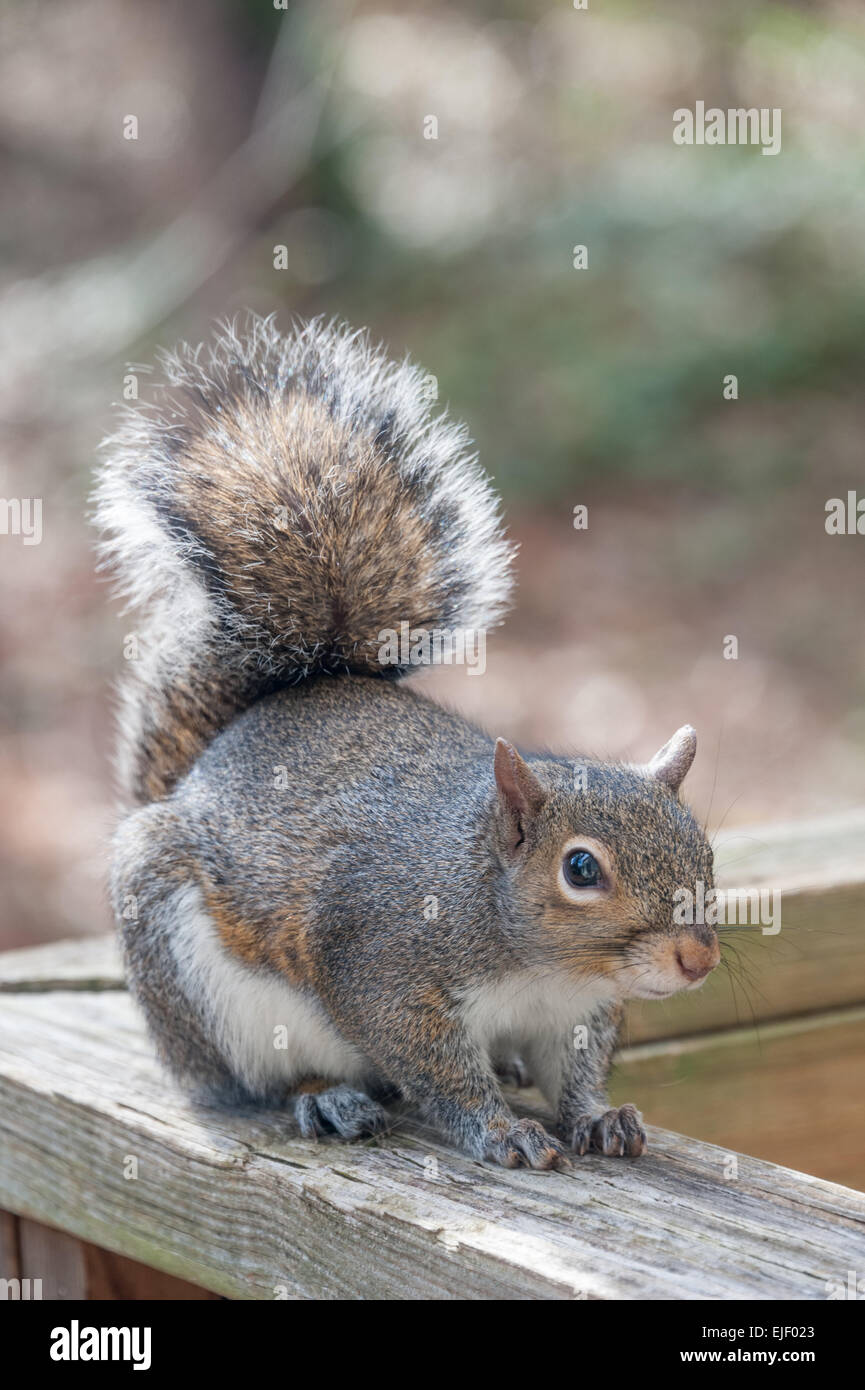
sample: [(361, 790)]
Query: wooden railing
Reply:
[(112, 1185)]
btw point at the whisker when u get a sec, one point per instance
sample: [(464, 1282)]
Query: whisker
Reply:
[(715, 777)]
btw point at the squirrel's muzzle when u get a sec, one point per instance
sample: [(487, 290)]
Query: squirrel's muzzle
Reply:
[(696, 958)]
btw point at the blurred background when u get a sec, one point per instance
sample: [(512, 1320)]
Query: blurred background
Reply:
[(305, 128)]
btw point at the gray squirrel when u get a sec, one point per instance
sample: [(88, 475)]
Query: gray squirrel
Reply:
[(293, 806)]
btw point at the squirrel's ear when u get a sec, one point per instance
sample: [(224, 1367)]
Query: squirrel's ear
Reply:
[(520, 792), (671, 763)]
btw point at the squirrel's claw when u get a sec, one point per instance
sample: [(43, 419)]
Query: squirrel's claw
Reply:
[(617, 1133), (525, 1144)]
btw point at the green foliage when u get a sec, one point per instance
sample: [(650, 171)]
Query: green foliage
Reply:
[(703, 262)]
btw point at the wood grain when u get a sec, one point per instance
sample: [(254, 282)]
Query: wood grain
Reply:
[(92, 963), (54, 1259), (238, 1204), (787, 1092), (113, 1278), (10, 1262)]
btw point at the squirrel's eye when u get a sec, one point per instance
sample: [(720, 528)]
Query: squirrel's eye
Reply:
[(582, 869)]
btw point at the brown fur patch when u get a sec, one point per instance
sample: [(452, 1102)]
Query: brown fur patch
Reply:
[(584, 937), (281, 945), (179, 728), (311, 1086), (310, 529)]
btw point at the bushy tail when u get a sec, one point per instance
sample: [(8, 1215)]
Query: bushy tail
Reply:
[(283, 501)]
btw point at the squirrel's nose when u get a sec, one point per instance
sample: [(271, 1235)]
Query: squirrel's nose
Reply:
[(695, 959)]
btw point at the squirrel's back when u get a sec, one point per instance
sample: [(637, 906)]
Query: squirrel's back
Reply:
[(281, 502)]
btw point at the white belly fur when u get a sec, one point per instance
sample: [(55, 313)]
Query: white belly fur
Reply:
[(270, 1032), (267, 1030), (530, 1004)]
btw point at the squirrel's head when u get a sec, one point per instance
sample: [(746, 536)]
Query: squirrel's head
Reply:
[(606, 871)]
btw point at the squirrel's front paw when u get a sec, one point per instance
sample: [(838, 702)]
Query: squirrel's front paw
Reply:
[(616, 1132), (524, 1143)]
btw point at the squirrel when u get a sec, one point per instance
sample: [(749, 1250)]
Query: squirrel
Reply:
[(331, 891)]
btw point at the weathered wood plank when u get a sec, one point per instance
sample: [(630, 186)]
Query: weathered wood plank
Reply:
[(93, 963), (55, 1260), (788, 1092), (116, 1278), (10, 1261), (240, 1205), (802, 856)]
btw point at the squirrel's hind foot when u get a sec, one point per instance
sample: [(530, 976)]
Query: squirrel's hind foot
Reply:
[(339, 1110)]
